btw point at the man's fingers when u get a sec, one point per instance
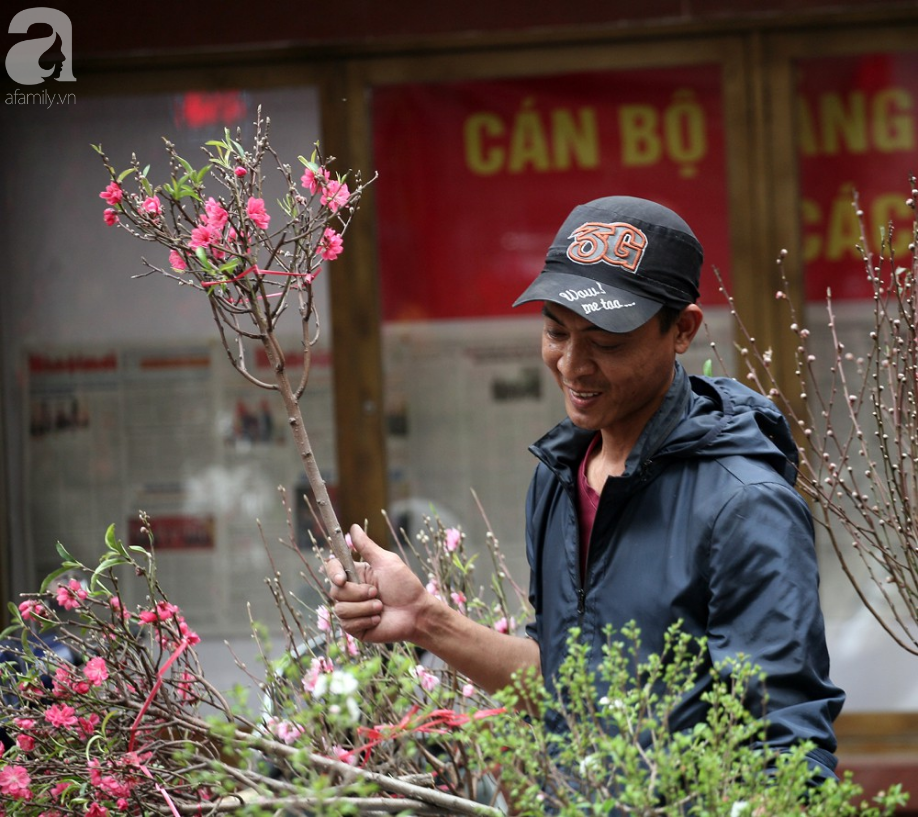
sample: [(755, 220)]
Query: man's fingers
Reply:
[(348, 592), (351, 611), (335, 572), (358, 617)]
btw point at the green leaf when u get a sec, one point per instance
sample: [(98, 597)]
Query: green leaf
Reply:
[(200, 174), (124, 174), (112, 542), (62, 552), (53, 575), (205, 261), (229, 266), (14, 629), (104, 566), (708, 369), (188, 168)]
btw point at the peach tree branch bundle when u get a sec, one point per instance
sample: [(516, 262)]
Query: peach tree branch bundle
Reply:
[(251, 264), (854, 402)]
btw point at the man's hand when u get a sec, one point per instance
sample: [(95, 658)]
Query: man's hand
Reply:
[(386, 603)]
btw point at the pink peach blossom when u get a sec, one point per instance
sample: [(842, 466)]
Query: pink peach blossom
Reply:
[(314, 179), (353, 646), (152, 205), (114, 787), (68, 598), (504, 626), (216, 214), (25, 742), (319, 666), (331, 245), (176, 261), (255, 209), (240, 171), (335, 195), (95, 772), (188, 634), (110, 216), (323, 617), (453, 537), (344, 755), (61, 716), (166, 610), (186, 686), (14, 782), (426, 678), (112, 194), (59, 788), (96, 671), (87, 725), (31, 609), (285, 730), (433, 587), (202, 236)]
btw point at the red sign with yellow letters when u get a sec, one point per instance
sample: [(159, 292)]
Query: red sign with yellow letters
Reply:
[(856, 130), (476, 177)]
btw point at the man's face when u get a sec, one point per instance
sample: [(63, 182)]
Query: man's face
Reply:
[(610, 381)]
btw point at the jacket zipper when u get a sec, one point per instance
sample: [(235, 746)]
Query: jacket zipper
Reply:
[(642, 476)]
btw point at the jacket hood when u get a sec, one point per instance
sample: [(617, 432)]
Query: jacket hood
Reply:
[(699, 417), (725, 417)]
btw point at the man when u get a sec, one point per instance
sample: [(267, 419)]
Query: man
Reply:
[(662, 497)]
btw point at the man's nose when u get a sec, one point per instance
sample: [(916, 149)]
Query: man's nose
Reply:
[(575, 360)]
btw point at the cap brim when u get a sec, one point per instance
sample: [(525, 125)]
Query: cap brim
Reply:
[(610, 308)]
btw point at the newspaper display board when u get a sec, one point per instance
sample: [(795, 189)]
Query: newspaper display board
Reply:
[(175, 432)]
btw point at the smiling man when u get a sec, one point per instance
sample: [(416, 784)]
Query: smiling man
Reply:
[(662, 497)]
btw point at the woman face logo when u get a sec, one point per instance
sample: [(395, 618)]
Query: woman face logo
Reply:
[(33, 60)]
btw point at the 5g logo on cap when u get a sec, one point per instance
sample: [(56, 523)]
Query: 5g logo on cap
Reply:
[(32, 61)]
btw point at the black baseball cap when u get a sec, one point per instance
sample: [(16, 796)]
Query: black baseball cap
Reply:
[(617, 261)]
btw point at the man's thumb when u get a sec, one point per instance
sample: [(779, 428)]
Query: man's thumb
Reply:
[(363, 544)]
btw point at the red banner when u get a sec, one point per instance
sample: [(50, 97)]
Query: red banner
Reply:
[(856, 125), (176, 532), (475, 178)]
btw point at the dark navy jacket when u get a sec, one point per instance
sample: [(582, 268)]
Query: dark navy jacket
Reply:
[(703, 526)]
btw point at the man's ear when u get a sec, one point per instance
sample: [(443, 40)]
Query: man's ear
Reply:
[(687, 325)]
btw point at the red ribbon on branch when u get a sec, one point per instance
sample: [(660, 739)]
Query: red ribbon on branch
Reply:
[(439, 722)]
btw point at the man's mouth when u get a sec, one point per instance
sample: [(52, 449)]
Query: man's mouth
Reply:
[(583, 395)]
